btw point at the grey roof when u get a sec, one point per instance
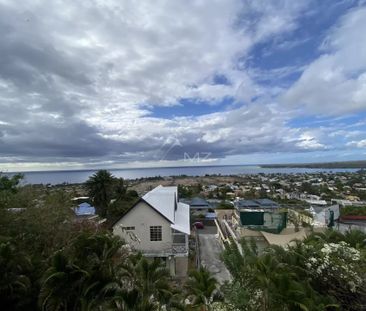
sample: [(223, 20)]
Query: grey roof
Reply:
[(266, 202), (199, 202), (247, 203), (257, 203)]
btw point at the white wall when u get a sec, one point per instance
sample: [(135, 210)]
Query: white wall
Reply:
[(142, 216)]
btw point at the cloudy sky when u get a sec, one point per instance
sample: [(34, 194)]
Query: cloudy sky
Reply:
[(111, 83)]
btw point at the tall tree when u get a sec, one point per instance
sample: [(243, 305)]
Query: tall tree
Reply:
[(10, 183), (100, 187), (8, 187)]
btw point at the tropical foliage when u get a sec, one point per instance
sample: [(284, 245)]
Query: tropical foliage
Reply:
[(202, 289), (325, 272)]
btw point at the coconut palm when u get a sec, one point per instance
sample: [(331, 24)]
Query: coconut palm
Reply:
[(328, 236), (62, 285), (130, 300), (100, 188), (202, 289), (144, 286), (15, 283), (83, 276), (101, 256), (153, 280)]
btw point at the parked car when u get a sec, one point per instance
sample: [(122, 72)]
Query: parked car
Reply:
[(198, 225)]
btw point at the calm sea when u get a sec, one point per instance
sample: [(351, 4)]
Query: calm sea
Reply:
[(58, 177)]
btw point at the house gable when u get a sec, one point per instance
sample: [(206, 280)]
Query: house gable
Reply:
[(136, 204), (141, 217)]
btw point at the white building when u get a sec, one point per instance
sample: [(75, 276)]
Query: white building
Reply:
[(158, 225)]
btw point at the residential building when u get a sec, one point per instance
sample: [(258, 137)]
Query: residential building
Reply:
[(199, 204), (158, 225), (260, 215)]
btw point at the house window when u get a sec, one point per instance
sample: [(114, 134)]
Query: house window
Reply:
[(155, 233)]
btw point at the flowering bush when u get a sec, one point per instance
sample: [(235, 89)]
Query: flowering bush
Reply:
[(335, 265)]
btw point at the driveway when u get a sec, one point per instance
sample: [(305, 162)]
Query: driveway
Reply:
[(210, 250)]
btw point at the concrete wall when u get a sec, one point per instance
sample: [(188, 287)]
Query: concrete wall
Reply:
[(142, 216), (181, 266)]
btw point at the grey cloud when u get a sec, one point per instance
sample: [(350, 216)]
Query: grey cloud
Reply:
[(76, 78)]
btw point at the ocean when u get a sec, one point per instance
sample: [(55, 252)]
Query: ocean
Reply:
[(80, 176)]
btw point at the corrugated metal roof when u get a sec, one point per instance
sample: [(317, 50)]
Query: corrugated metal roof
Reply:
[(182, 223), (164, 200), (199, 202), (256, 204), (247, 203), (266, 202)]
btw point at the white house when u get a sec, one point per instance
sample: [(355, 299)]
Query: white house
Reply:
[(158, 225)]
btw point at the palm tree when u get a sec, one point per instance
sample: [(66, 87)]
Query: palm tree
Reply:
[(328, 236), (83, 276), (152, 280), (101, 255), (15, 283), (202, 289), (144, 286), (62, 284), (100, 187), (355, 238), (130, 300)]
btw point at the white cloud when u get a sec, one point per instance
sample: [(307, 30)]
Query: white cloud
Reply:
[(309, 143), (335, 83), (358, 144)]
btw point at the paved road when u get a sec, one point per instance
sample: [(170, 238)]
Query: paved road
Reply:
[(210, 250)]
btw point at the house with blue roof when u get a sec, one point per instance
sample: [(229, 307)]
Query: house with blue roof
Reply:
[(199, 203), (84, 209)]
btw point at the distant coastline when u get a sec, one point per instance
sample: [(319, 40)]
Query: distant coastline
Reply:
[(74, 177), (326, 165)]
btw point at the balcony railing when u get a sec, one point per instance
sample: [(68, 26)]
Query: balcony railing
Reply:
[(176, 249), (179, 248)]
